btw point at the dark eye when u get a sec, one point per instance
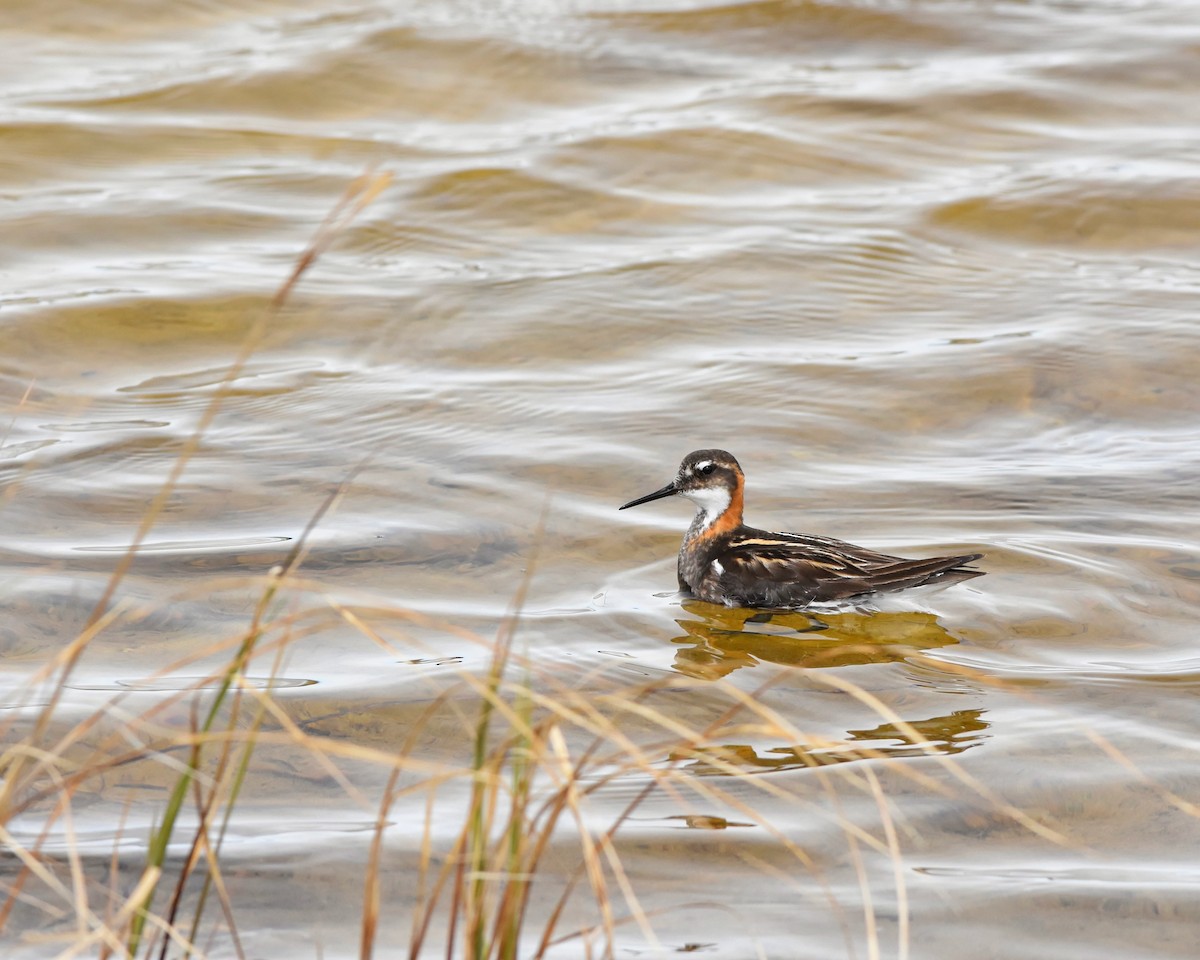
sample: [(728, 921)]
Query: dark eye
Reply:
[(706, 469)]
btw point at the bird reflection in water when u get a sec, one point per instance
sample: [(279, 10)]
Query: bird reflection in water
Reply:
[(944, 736), (718, 640), (721, 639)]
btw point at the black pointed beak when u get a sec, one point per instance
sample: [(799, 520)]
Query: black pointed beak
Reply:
[(666, 491)]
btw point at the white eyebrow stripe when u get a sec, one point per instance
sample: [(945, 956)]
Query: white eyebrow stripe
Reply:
[(704, 463)]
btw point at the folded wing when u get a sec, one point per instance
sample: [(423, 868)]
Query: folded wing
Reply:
[(770, 569)]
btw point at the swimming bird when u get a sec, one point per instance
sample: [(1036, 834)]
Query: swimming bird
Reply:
[(724, 561)]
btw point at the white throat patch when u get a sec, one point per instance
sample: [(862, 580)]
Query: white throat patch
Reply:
[(712, 501)]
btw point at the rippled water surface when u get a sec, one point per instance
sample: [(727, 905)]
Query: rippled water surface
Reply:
[(931, 271)]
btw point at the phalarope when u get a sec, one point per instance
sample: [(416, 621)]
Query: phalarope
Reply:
[(724, 561)]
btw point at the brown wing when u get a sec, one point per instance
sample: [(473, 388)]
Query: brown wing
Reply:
[(821, 549), (766, 569)]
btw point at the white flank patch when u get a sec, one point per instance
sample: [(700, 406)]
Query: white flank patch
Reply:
[(717, 568), (712, 501)]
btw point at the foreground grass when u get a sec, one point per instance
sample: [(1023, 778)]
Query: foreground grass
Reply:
[(535, 750), (534, 753)]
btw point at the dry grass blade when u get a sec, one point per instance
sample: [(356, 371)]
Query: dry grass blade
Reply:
[(371, 894), (128, 909), (893, 843), (16, 778), (591, 858), (13, 422), (871, 928)]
